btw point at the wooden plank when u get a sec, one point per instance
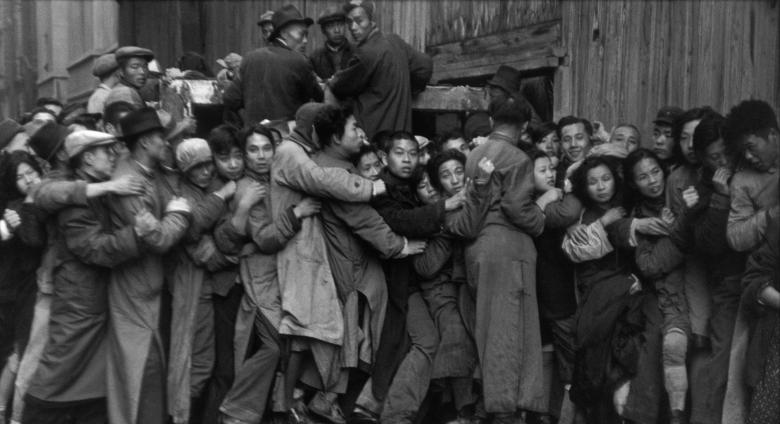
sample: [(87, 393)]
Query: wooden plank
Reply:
[(460, 98), (543, 34)]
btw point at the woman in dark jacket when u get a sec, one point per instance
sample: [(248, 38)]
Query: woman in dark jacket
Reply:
[(616, 322), (23, 238), (662, 265)]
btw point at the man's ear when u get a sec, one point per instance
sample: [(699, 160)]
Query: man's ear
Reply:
[(382, 155)]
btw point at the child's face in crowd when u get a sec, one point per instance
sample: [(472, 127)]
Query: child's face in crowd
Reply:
[(202, 174), (369, 166), (544, 174), (403, 157), (259, 152), (550, 144), (626, 137), (575, 141), (601, 184), (761, 152), (26, 177), (426, 192), (686, 141), (715, 156), (452, 177), (663, 143), (648, 177), (230, 166)]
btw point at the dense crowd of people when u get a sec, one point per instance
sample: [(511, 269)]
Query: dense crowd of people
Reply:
[(312, 260)]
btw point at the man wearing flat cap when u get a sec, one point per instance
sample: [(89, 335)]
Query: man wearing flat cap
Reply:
[(70, 380), (136, 359), (133, 65), (382, 75), (274, 81), (106, 69), (337, 51)]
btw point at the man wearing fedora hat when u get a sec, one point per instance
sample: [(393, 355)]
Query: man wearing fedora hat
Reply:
[(70, 380), (136, 364), (133, 63), (105, 68), (382, 76), (337, 51), (505, 85), (276, 80), (266, 25)]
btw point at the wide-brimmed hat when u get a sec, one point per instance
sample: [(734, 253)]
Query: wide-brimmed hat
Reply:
[(139, 122), (104, 65), (79, 141), (8, 129), (125, 52), (667, 115), (287, 15), (48, 140), (332, 14), (507, 78), (266, 17)]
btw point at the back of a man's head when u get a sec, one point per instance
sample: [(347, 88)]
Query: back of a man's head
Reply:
[(509, 112)]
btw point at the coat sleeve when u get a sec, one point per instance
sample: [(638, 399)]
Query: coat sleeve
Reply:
[(32, 232), (420, 68), (368, 225), (435, 256), (354, 78), (761, 270), (419, 222), (467, 221), (294, 168), (563, 213), (204, 215), (709, 229), (271, 236), (233, 97), (227, 238), (91, 243), (657, 257), (517, 199), (52, 195), (746, 224), (309, 84), (170, 230)]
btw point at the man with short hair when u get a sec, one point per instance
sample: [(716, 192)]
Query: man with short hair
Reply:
[(276, 80), (136, 364), (70, 380), (501, 266), (663, 141), (133, 63), (336, 53), (574, 134), (105, 68), (382, 75)]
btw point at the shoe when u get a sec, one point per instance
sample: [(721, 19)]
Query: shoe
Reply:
[(362, 415), (326, 410), (678, 417)]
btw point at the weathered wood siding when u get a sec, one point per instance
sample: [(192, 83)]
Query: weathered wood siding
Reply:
[(627, 58)]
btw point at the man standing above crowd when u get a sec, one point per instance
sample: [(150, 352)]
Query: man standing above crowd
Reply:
[(276, 80), (337, 51), (382, 76), (105, 68), (133, 72)]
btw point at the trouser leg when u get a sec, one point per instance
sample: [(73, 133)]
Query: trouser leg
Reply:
[(225, 310), (251, 389), (411, 381), (151, 405)]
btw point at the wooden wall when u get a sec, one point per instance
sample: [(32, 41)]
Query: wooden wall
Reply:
[(621, 59), (626, 58)]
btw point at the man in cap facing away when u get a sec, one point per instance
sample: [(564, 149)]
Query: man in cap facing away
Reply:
[(337, 51), (105, 68), (274, 81), (70, 381)]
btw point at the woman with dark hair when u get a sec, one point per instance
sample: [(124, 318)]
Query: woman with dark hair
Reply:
[(554, 271), (23, 238), (615, 340), (545, 138), (442, 269), (661, 263)]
